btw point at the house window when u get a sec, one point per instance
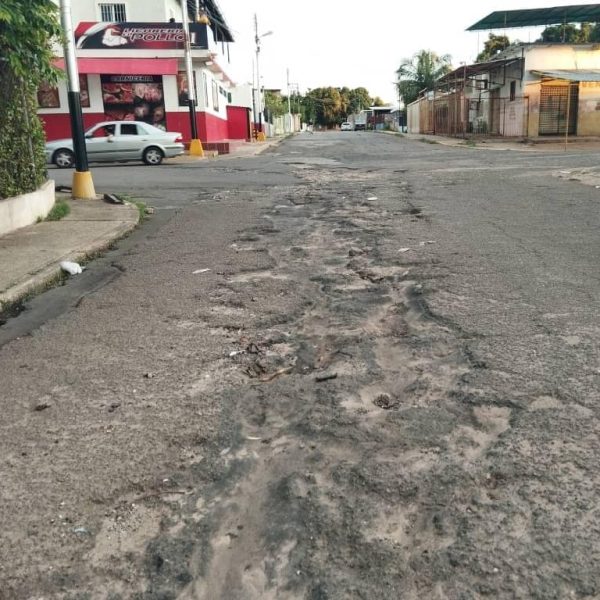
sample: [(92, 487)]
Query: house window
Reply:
[(513, 90), (113, 13)]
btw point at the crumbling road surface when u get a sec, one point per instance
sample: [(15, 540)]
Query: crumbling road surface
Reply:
[(355, 367)]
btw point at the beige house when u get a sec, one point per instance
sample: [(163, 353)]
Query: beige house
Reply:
[(529, 90)]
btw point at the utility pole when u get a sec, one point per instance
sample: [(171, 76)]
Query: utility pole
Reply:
[(195, 143), (259, 96), (261, 135), (289, 100), (83, 185)]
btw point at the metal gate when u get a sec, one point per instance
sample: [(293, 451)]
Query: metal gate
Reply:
[(554, 106)]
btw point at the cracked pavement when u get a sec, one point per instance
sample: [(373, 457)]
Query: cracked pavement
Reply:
[(384, 386)]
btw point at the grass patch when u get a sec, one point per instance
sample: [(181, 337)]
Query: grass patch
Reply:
[(59, 211), (428, 141), (142, 208)]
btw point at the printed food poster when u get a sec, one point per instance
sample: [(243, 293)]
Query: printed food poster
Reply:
[(134, 98)]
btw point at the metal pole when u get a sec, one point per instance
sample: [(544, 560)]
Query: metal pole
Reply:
[(568, 114), (189, 70), (259, 102), (83, 186), (289, 100)]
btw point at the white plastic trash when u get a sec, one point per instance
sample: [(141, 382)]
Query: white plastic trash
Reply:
[(72, 268)]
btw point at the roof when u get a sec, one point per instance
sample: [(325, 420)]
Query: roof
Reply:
[(477, 69), (216, 17), (503, 19), (570, 74)]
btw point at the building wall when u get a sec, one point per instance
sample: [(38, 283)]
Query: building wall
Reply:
[(560, 56)]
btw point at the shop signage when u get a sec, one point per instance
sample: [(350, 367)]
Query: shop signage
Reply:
[(138, 36)]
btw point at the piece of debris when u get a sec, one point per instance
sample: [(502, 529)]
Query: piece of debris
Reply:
[(278, 373), (252, 348), (81, 531), (355, 251), (148, 375), (199, 271), (384, 401), (72, 268), (326, 377), (149, 210), (64, 188), (404, 250), (41, 407), (253, 439), (427, 242), (113, 407), (372, 198), (236, 353), (113, 199)]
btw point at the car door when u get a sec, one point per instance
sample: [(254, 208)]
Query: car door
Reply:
[(99, 142), (130, 141)]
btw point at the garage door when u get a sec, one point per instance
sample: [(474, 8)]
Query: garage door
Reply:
[(554, 104)]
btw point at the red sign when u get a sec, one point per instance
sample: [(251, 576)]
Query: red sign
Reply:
[(138, 36)]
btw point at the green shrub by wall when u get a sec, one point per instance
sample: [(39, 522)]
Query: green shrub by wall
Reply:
[(22, 160)]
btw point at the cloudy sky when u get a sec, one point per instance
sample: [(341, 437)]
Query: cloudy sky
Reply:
[(357, 43)]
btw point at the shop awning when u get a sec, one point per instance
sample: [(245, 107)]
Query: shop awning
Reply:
[(124, 66), (570, 74)]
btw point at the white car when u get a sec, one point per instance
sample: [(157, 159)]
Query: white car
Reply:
[(116, 141), (347, 127)]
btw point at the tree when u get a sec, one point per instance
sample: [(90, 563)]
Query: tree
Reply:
[(571, 34), (493, 45), (359, 100), (275, 103), (326, 105), (377, 101), (26, 33), (419, 73)]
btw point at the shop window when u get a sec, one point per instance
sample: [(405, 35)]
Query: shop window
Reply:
[(113, 12), (513, 90), (84, 91)]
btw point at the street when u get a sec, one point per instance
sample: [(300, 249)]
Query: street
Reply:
[(354, 366)]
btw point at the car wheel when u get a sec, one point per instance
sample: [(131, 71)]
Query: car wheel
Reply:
[(153, 156), (64, 158)]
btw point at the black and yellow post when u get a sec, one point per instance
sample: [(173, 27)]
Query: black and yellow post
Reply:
[(195, 143), (83, 185)]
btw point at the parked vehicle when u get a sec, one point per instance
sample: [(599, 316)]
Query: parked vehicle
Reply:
[(347, 127), (119, 141)]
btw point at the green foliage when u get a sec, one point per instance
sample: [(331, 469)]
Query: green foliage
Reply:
[(22, 158), (60, 210), (420, 73), (26, 33), (329, 106), (493, 45), (571, 34), (276, 104)]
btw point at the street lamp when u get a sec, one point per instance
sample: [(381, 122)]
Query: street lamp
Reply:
[(83, 185), (257, 39), (195, 143)]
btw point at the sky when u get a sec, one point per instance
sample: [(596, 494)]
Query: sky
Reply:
[(355, 43)]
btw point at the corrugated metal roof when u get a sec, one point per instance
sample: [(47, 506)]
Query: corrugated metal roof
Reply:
[(504, 19), (570, 74)]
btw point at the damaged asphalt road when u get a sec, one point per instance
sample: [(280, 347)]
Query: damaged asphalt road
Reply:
[(375, 377)]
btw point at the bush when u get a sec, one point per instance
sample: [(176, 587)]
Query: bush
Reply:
[(22, 160)]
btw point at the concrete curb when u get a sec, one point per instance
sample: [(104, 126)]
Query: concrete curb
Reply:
[(50, 275)]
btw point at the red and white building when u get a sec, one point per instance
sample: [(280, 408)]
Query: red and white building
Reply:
[(131, 66)]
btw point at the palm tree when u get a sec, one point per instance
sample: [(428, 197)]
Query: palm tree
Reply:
[(420, 73)]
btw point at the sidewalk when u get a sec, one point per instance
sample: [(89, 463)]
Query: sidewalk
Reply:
[(553, 144), (30, 257)]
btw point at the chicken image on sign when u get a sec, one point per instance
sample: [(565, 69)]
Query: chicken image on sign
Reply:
[(138, 36), (134, 98)]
